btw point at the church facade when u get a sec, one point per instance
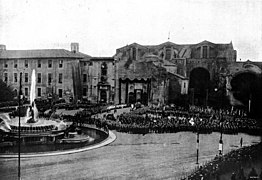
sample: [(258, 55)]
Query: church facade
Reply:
[(165, 73)]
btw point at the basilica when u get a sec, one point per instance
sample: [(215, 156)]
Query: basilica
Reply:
[(158, 74)]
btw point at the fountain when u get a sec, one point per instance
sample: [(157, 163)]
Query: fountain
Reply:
[(43, 135), (32, 110), (32, 128)]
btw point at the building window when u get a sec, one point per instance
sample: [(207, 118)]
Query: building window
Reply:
[(197, 53), (49, 76), (5, 77), (49, 63), (212, 52), (5, 64), (204, 52), (168, 53), (90, 63), (134, 53), (26, 91), (84, 91), (15, 77), (26, 77), (84, 78), (39, 92), (175, 55), (60, 64), (39, 78), (104, 69), (15, 63), (15, 93), (26, 63), (60, 78), (60, 93), (84, 63), (39, 64)]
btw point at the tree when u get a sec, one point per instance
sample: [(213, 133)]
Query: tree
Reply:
[(6, 93)]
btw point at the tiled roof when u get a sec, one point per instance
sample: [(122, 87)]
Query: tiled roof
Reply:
[(102, 58), (40, 53)]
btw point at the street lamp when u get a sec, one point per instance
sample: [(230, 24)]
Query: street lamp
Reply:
[(197, 143), (20, 95), (197, 146), (220, 146)]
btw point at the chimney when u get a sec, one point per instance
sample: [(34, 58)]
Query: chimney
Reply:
[(75, 47), (2, 47)]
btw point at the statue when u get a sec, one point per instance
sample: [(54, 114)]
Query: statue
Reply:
[(31, 113)]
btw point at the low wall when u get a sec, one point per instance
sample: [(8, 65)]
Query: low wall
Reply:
[(102, 138)]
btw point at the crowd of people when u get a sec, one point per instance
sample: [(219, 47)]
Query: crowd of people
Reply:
[(173, 119), (235, 161), (165, 119), (170, 120)]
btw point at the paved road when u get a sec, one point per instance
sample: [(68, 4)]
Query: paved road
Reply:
[(131, 156)]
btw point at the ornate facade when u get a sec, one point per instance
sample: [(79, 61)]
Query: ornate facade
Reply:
[(98, 79)]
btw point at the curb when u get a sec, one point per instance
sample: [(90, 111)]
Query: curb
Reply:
[(111, 138)]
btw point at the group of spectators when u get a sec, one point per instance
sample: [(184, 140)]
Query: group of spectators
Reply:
[(165, 119), (174, 119), (236, 161)]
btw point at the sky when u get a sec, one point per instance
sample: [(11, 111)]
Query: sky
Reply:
[(102, 26)]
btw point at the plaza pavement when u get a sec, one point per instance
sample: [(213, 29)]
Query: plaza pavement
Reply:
[(131, 156)]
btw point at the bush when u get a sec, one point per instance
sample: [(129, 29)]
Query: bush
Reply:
[(8, 103)]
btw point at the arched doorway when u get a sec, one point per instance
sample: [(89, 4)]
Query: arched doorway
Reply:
[(103, 96), (138, 95), (131, 98), (246, 88), (144, 98), (199, 86)]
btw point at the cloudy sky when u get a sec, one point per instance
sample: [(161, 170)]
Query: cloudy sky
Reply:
[(102, 26)]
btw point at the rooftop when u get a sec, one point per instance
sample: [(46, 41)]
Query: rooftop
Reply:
[(40, 53)]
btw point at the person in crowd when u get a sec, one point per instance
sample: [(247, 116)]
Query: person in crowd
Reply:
[(253, 174), (233, 176)]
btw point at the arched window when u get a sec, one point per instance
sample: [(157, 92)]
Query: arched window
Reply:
[(103, 96), (104, 69), (204, 55), (168, 53), (175, 55), (134, 53), (15, 93)]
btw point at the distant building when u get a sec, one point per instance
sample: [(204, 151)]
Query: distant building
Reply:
[(57, 71), (150, 74), (164, 73), (98, 79)]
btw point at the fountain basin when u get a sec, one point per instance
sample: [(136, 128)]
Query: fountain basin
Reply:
[(91, 138), (42, 132)]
